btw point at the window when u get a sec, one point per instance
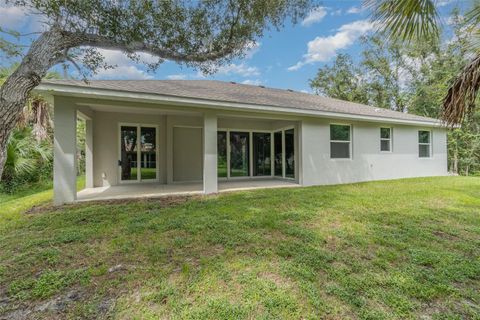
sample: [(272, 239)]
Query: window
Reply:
[(340, 141), (289, 154), (424, 144), (278, 154), (222, 167), (239, 154), (386, 139), (262, 161)]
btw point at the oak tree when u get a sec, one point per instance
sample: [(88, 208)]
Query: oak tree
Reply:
[(198, 33)]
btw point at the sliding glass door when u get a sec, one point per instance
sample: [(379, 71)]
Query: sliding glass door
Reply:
[(148, 153), (289, 154), (278, 153), (256, 154), (284, 153), (239, 154), (222, 167), (262, 154), (138, 153), (128, 153)]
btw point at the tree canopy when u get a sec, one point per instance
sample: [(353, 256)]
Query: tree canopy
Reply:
[(202, 34)]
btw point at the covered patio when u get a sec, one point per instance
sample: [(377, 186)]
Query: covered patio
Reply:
[(155, 190), (139, 145)]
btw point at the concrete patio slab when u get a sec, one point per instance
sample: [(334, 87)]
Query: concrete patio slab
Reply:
[(155, 190)]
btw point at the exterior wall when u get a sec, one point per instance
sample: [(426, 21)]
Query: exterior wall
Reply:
[(174, 122), (106, 144), (312, 150), (367, 162), (187, 154)]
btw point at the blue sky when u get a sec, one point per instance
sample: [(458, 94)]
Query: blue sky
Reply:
[(283, 59)]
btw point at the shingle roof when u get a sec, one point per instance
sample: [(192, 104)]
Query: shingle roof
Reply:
[(241, 93)]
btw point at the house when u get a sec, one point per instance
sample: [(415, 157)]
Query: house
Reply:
[(153, 137)]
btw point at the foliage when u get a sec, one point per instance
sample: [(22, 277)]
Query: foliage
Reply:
[(340, 252), (413, 78), (464, 147), (342, 81), (29, 149), (203, 34), (80, 134), (406, 19), (418, 21), (37, 113), (27, 159), (197, 33)]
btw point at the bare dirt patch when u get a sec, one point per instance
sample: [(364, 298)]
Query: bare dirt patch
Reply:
[(162, 202)]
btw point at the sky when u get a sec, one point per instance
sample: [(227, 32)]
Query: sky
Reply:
[(285, 59)]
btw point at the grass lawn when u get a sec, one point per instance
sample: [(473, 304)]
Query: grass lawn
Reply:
[(12, 205), (379, 250)]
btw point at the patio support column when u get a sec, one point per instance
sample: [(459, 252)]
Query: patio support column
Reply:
[(210, 179), (88, 153), (65, 151)]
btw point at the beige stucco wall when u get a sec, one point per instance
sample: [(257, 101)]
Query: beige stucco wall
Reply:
[(106, 144), (187, 154), (367, 162), (312, 150)]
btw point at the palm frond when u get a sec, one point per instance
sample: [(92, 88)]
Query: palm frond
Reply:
[(460, 99), (406, 20), (471, 27)]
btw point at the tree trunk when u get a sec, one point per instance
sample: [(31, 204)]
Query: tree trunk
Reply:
[(44, 53)]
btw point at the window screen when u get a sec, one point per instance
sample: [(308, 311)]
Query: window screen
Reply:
[(340, 141), (385, 139), (424, 144)]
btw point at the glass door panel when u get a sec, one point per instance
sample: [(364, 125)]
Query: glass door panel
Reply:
[(128, 154), (289, 154), (148, 153), (261, 154), (239, 154), (277, 153), (222, 154)]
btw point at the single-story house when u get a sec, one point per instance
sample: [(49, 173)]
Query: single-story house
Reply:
[(152, 137)]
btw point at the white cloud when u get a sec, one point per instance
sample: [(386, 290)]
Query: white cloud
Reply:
[(124, 68), (12, 17), (322, 49), (115, 57), (17, 18), (354, 10), (443, 3), (177, 77), (251, 49), (452, 20), (314, 16), (336, 12), (123, 72), (238, 69), (255, 82)]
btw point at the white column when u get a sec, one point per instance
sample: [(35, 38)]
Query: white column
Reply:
[(88, 153), (65, 149), (210, 179)]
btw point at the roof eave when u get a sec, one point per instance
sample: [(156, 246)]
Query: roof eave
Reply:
[(78, 91)]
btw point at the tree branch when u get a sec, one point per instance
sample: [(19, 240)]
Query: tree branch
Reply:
[(97, 41)]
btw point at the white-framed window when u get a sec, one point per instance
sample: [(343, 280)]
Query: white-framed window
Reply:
[(385, 139), (340, 141), (424, 144)]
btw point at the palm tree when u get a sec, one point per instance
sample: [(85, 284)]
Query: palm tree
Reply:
[(417, 20), (37, 112), (25, 155)]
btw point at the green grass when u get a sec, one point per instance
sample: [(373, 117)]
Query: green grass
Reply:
[(146, 173), (380, 250), (11, 205)]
